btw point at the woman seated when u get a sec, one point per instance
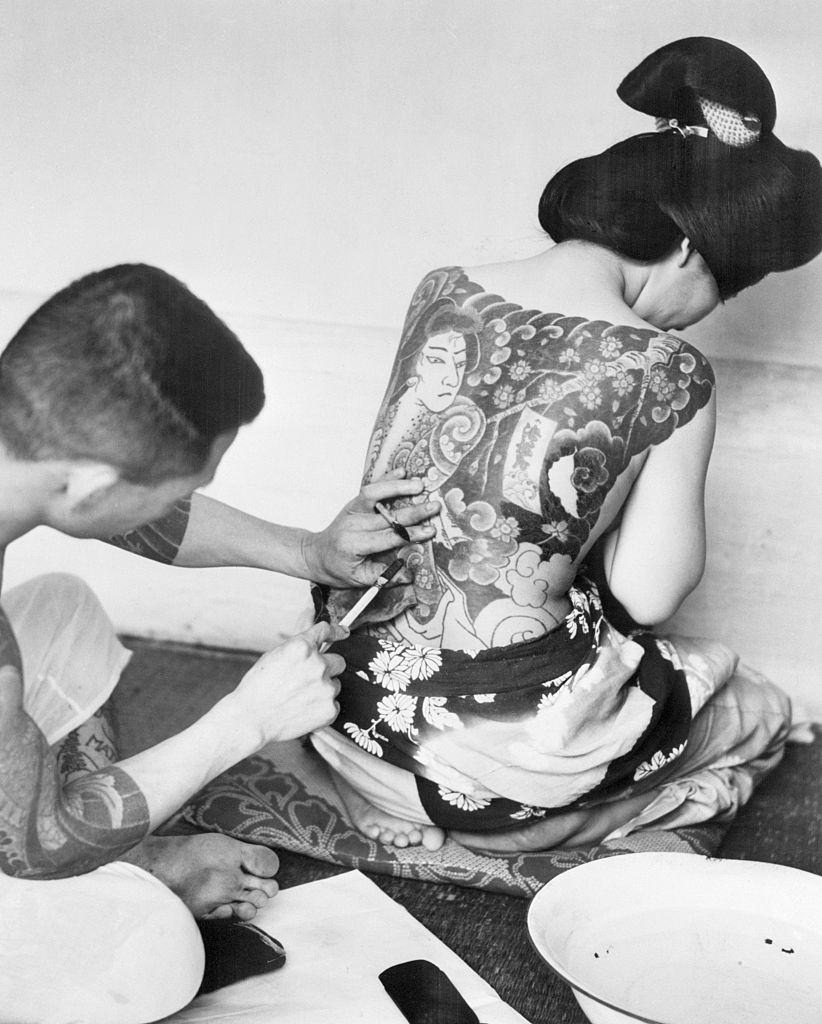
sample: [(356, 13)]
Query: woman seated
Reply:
[(566, 434)]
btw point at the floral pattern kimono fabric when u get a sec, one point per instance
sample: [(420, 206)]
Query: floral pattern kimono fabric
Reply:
[(500, 736), (464, 702)]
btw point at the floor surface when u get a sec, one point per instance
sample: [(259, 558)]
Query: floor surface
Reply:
[(167, 686)]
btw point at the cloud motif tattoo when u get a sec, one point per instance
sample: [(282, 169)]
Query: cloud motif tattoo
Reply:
[(520, 421), (529, 577)]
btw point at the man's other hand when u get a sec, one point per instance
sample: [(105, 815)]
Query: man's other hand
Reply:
[(291, 690), (342, 555)]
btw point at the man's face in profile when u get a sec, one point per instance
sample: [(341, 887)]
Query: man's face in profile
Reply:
[(124, 506)]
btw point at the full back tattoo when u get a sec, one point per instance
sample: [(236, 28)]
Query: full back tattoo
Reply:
[(521, 422)]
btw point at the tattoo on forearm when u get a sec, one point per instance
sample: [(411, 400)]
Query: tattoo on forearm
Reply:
[(160, 540), (103, 812), (90, 747)]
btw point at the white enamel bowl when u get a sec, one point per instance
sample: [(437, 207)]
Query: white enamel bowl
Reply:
[(671, 938)]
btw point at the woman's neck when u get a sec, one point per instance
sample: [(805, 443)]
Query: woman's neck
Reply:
[(574, 278)]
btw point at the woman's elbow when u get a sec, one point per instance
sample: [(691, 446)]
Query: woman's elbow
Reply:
[(650, 612), (650, 603)]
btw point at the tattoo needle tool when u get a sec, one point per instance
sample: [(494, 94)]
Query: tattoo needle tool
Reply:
[(354, 612), (398, 528)]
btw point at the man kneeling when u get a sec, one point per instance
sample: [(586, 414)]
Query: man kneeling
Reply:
[(118, 398)]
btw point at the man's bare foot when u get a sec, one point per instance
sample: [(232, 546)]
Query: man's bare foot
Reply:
[(377, 824), (214, 875)]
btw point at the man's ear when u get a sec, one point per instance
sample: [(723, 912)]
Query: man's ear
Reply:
[(87, 481), (685, 251)]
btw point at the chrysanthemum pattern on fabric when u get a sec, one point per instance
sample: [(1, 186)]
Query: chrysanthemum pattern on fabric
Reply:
[(393, 668), (416, 707), (659, 760), (521, 424), (397, 663)]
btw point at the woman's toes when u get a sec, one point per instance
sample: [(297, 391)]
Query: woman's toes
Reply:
[(383, 827), (433, 838)]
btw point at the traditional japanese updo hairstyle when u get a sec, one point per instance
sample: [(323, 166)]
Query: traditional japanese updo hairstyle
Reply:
[(712, 171)]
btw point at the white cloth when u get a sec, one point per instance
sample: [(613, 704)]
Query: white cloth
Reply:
[(339, 934), (111, 947), (72, 658), (114, 946), (737, 737)]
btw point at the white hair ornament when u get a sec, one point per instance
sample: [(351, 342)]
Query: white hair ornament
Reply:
[(671, 124), (728, 125)]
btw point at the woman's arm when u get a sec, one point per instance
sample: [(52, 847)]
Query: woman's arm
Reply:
[(656, 556)]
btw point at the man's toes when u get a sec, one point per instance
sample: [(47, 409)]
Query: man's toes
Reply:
[(256, 897), (243, 910), (219, 913), (267, 885), (259, 860), (415, 837)]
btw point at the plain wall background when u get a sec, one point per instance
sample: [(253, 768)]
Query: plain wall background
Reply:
[(304, 162), (311, 159)]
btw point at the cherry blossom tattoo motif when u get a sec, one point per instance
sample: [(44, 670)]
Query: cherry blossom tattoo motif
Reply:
[(520, 422)]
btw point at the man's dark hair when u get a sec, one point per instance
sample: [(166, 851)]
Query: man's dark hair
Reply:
[(748, 210), (125, 366)]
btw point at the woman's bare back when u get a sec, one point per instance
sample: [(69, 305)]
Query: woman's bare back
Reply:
[(530, 427)]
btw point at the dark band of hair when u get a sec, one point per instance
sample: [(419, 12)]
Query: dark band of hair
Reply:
[(127, 366), (749, 209)]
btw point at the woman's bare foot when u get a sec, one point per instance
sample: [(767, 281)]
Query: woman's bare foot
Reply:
[(573, 828), (214, 875), (542, 835), (377, 824)]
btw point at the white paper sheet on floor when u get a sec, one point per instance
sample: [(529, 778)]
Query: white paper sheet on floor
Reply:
[(339, 933)]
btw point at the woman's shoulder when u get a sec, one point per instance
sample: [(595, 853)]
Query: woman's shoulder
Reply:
[(678, 381), (698, 356), (685, 372), (662, 347), (618, 331)]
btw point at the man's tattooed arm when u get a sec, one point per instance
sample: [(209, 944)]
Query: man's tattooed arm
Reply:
[(202, 532), (47, 829), (160, 540)]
